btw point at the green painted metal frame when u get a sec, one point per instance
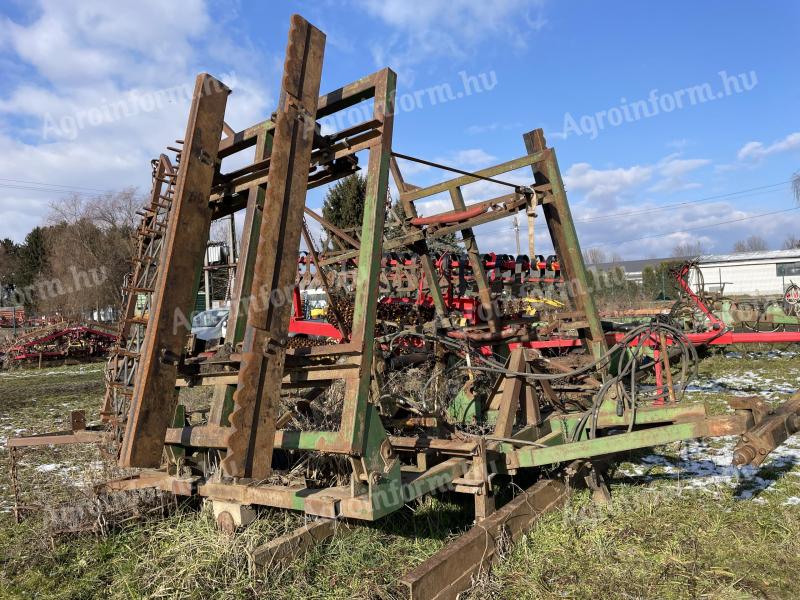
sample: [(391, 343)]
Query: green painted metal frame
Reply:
[(360, 434), (379, 487)]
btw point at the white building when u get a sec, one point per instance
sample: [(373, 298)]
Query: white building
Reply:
[(750, 273)]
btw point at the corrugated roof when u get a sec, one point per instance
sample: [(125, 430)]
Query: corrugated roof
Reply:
[(746, 256)]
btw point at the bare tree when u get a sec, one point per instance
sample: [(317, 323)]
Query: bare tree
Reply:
[(109, 210), (791, 242), (89, 250), (594, 256), (754, 243), (688, 249)]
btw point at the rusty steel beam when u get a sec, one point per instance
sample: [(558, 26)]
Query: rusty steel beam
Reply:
[(362, 336), (222, 403), (452, 570), (60, 438), (252, 434), (508, 394), (333, 229), (283, 550), (496, 208), (154, 396), (334, 101), (141, 269), (769, 432), (446, 186)]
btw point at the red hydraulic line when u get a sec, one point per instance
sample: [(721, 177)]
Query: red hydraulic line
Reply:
[(454, 216)]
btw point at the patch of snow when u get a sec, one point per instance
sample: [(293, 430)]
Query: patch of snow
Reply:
[(36, 373), (49, 467), (701, 466)]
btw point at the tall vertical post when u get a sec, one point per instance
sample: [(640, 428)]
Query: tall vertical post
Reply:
[(252, 433), (154, 396), (565, 240), (354, 412)]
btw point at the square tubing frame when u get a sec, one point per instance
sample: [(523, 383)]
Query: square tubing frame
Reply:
[(565, 240), (350, 439)]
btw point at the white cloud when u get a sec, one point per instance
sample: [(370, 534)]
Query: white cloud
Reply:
[(468, 159), (100, 40), (107, 87), (605, 184), (673, 171), (641, 234), (451, 28), (679, 144), (673, 166), (756, 151), (478, 129), (610, 187)]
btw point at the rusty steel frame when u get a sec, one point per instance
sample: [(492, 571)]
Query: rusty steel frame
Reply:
[(138, 293), (154, 398), (460, 563), (291, 156), (252, 432)]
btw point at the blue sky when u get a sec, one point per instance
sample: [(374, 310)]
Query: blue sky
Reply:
[(629, 93)]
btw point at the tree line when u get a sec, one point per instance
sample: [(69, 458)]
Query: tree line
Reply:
[(75, 263)]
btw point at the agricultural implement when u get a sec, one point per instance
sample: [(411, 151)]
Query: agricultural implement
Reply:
[(494, 401), (58, 341), (699, 311)]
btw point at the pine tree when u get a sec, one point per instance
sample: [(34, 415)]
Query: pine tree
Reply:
[(33, 256), (344, 203)]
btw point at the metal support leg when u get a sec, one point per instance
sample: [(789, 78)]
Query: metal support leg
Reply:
[(565, 240)]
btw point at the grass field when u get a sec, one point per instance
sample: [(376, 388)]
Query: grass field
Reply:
[(683, 524)]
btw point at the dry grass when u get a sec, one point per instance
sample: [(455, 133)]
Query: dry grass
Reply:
[(661, 537)]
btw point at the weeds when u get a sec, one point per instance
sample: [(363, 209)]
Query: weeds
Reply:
[(678, 526)]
